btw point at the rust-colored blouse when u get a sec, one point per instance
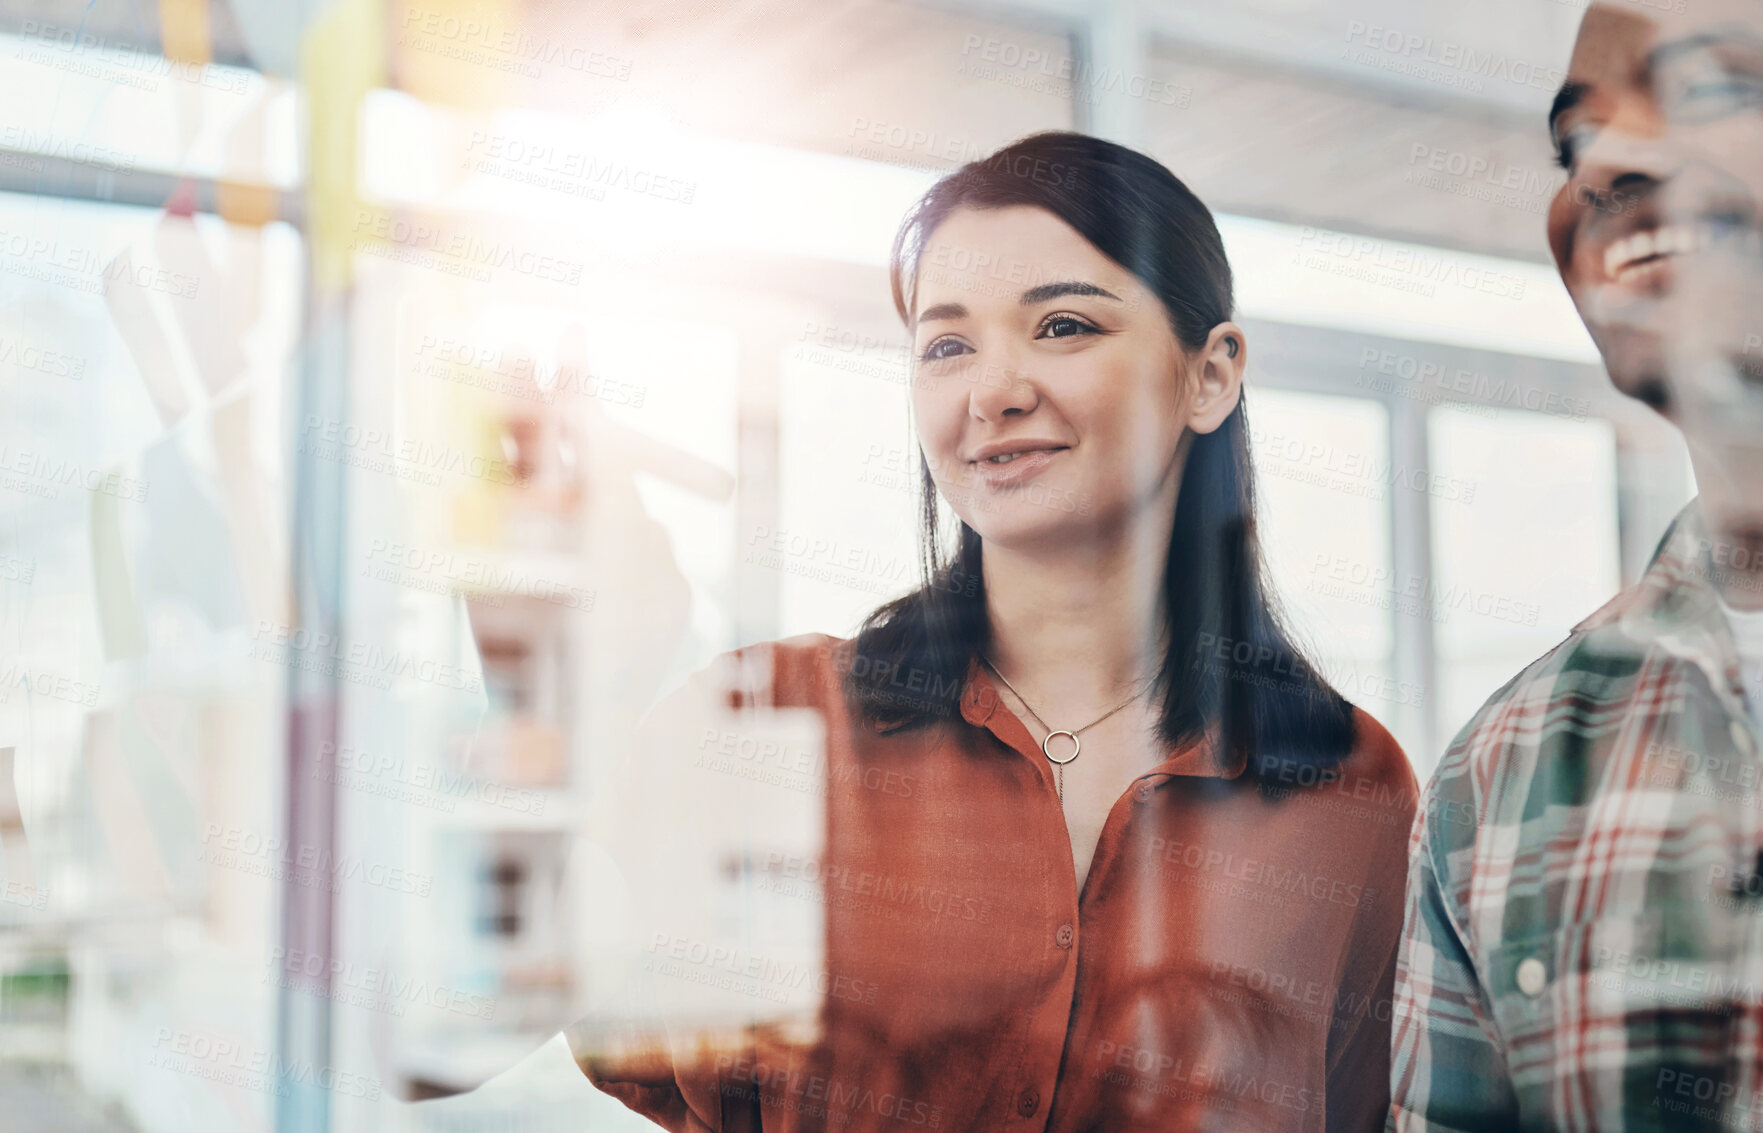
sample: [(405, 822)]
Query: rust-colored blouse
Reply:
[(1228, 964)]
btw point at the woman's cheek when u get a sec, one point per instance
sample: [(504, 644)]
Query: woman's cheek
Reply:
[(937, 425)]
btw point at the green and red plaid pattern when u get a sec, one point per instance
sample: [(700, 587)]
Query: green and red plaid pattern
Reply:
[(1583, 946)]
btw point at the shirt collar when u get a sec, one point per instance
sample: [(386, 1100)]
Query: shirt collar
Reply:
[(1676, 607), (1205, 757)]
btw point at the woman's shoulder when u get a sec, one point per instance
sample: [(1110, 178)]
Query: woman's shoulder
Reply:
[(1377, 767)]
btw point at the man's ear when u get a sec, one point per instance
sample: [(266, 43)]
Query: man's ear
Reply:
[(1222, 362)]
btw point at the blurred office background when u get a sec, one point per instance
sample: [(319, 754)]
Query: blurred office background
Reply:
[(401, 395)]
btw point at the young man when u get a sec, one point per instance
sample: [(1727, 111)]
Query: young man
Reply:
[(1584, 937)]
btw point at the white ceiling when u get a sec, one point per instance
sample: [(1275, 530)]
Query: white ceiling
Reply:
[(1293, 111)]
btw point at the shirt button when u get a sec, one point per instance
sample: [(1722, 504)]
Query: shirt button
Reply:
[(1144, 792), (1532, 976), (1741, 737), (1028, 1101), (1065, 936)]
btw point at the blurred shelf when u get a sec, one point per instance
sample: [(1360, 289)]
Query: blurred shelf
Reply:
[(513, 571)]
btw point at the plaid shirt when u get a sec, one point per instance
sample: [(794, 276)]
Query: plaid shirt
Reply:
[(1582, 947)]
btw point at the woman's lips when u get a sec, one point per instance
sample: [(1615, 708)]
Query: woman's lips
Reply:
[(1024, 467)]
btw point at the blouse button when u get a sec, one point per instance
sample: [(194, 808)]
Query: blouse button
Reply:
[(1532, 976), (1028, 1101), (1064, 936)]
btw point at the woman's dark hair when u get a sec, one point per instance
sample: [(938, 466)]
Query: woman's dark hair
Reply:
[(1230, 660)]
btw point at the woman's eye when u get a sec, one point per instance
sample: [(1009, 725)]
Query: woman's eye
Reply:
[(1064, 326), (944, 348)]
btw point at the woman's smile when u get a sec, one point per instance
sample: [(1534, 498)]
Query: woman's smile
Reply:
[(1013, 468)]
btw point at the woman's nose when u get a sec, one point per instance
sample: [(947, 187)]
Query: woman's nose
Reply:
[(1000, 390)]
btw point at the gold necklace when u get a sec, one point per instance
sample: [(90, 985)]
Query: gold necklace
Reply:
[(1076, 744)]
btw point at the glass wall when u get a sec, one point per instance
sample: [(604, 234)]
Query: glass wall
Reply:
[(363, 488)]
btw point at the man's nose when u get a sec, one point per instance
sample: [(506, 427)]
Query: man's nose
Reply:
[(1627, 163)]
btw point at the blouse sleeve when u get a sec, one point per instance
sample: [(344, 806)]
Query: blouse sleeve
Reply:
[(1358, 1091)]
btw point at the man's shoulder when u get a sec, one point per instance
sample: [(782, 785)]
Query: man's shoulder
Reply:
[(1569, 697)]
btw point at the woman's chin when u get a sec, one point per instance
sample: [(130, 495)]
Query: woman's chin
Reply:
[(1019, 524)]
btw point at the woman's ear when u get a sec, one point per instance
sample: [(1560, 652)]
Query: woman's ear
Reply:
[(1222, 362)]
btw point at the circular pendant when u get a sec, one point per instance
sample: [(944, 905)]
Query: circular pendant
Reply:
[(1076, 746)]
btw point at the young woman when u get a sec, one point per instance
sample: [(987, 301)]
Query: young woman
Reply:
[(1103, 850)]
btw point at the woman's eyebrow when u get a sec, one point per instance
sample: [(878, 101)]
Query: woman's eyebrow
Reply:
[(1048, 291), (941, 311), (1030, 297)]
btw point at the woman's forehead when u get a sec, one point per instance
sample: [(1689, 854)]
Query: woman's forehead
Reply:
[(1029, 233), (1010, 251)]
